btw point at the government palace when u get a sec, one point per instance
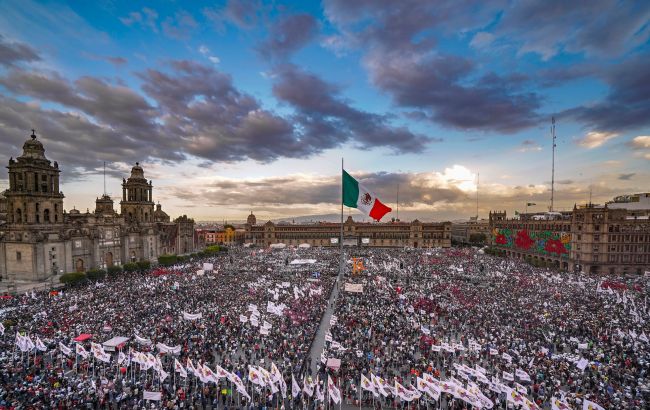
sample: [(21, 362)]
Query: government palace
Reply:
[(39, 240)]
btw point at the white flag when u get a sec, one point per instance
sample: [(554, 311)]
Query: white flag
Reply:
[(333, 391), (178, 368), (590, 405), (39, 345), (295, 388), (79, 349), (64, 349)]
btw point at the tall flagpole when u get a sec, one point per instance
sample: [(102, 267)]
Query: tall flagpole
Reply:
[(341, 238)]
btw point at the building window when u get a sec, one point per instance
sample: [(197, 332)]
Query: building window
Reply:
[(19, 256)]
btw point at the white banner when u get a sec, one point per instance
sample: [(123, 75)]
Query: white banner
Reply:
[(207, 266), (142, 340), (163, 348), (192, 316), (152, 395), (354, 287)]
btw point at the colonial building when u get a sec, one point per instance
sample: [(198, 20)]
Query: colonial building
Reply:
[(473, 231), (591, 238), (415, 234), (40, 239)]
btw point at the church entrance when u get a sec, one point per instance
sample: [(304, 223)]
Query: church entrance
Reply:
[(108, 259), (79, 265)]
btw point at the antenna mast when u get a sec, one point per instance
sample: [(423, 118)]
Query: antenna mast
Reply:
[(104, 178), (553, 163)]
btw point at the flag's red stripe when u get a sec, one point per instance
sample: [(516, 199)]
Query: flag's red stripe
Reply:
[(379, 210)]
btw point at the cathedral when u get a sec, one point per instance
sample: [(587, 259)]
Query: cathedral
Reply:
[(39, 239)]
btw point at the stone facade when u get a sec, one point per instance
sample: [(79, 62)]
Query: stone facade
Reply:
[(463, 232), (40, 240), (591, 238), (415, 234)]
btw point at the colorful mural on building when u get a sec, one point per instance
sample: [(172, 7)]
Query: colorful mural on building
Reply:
[(542, 242)]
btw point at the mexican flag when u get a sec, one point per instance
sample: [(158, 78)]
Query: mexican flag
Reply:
[(358, 196)]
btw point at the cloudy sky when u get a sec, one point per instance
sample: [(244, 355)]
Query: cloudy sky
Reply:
[(247, 105)]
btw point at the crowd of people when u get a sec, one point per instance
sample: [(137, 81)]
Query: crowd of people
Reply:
[(445, 328), (508, 333), (218, 317)]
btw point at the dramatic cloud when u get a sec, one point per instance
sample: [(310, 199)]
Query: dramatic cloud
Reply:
[(65, 136), (642, 141), (323, 113), (438, 86), (626, 177), (627, 105), (288, 35), (595, 139), (304, 190), (601, 27), (201, 107), (399, 40), (12, 53)]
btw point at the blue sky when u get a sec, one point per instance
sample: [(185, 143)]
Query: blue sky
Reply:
[(239, 105)]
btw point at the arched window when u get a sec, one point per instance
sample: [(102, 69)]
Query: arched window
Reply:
[(146, 217), (19, 216), (46, 216)]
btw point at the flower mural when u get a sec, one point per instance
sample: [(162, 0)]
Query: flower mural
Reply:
[(555, 246), (542, 242), (523, 240)]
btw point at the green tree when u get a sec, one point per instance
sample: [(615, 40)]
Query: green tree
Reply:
[(114, 270), (72, 278), (96, 274), (130, 267), (144, 265), (167, 260)]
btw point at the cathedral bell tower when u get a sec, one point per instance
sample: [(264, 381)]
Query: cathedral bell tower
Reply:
[(33, 197), (137, 202)]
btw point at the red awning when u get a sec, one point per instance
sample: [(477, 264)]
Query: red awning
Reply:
[(83, 337)]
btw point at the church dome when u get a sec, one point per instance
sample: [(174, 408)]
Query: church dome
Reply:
[(159, 215), (33, 148), (251, 220), (137, 172)]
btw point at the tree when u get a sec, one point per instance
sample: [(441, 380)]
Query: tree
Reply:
[(144, 265), (130, 267), (114, 270), (96, 274), (167, 260), (72, 278)]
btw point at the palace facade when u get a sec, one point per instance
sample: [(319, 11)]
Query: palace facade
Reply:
[(613, 238), (413, 234), (39, 239)]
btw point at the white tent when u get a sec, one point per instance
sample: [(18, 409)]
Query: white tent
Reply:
[(277, 246), (304, 246), (116, 342)]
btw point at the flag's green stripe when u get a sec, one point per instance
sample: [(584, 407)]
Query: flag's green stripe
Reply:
[(350, 190)]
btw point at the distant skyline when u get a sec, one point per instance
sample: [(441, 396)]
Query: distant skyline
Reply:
[(248, 105)]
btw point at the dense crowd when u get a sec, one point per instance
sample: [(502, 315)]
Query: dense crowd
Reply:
[(452, 329), (521, 336), (148, 308)]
